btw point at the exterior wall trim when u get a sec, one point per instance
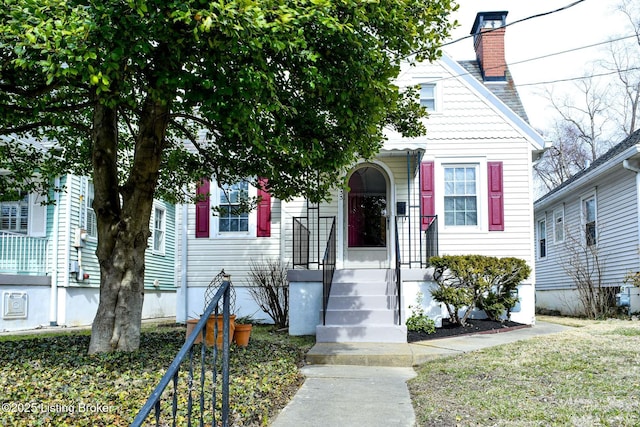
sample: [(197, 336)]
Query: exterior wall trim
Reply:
[(21, 280)]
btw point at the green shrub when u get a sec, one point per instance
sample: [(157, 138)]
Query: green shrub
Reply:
[(466, 282), (418, 321)]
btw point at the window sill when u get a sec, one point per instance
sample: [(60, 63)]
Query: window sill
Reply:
[(233, 236)]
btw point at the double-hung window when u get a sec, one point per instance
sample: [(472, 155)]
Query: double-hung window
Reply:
[(14, 215), (159, 229), (558, 225), (428, 96), (223, 211), (589, 216), (231, 217), (542, 238), (461, 195)]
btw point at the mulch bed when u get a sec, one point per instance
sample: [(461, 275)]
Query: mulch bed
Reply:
[(475, 326)]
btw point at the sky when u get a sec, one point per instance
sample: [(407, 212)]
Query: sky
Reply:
[(589, 22)]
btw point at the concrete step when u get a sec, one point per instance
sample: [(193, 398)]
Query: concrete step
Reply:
[(366, 302), (362, 275), (363, 354), (360, 317), (372, 333), (362, 288)]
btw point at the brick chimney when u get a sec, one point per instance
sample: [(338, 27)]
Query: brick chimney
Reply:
[(488, 41)]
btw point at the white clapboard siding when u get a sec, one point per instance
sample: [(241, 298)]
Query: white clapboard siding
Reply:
[(466, 126)]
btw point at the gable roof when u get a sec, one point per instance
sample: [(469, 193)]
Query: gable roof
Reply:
[(502, 96), (611, 156), (505, 91)]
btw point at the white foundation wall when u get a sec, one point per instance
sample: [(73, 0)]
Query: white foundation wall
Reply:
[(564, 301), (523, 312), (305, 301), (37, 307), (82, 305), (305, 307), (75, 306)]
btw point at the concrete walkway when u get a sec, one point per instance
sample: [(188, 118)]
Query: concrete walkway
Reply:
[(360, 392)]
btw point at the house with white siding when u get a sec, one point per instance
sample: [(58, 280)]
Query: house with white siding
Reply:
[(49, 273), (357, 262), (589, 224)]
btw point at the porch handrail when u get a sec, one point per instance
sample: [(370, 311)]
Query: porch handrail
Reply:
[(153, 402), (22, 254), (310, 235), (398, 274), (418, 239), (328, 269), (430, 239), (301, 236)]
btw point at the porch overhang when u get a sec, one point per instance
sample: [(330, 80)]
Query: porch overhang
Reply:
[(412, 152)]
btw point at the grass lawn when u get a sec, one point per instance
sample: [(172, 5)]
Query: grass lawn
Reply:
[(49, 380), (587, 376)]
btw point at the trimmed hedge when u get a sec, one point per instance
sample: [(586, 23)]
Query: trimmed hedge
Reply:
[(488, 283)]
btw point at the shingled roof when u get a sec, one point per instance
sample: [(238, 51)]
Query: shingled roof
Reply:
[(506, 91), (627, 143)]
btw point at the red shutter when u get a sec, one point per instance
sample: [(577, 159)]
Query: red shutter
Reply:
[(427, 193), (496, 196), (202, 209), (264, 209)]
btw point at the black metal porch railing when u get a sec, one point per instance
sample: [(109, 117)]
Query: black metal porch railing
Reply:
[(328, 269), (398, 275), (205, 411), (301, 236), (310, 235), (416, 240)]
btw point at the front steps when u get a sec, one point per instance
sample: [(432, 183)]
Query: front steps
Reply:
[(362, 308)]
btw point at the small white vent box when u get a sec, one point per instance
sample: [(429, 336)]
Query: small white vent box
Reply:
[(14, 305)]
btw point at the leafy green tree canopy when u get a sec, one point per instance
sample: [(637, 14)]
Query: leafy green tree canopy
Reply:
[(147, 96), (292, 91)]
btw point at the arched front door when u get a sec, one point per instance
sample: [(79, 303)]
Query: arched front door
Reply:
[(367, 218)]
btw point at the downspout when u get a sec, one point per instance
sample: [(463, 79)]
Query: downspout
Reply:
[(67, 250), (408, 208), (283, 219), (627, 165), (53, 300), (183, 264)]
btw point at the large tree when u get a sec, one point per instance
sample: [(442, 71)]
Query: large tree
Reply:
[(148, 96), (567, 156), (605, 109)]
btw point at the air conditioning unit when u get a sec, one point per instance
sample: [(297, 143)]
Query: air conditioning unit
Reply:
[(629, 296)]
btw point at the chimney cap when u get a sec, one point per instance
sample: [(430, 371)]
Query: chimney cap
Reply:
[(484, 18)]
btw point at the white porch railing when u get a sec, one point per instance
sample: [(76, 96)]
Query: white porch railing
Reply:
[(20, 254)]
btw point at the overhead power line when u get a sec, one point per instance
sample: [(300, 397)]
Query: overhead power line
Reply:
[(539, 15), (509, 64), (575, 49), (569, 79)]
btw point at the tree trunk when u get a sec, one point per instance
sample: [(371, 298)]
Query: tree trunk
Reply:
[(123, 214)]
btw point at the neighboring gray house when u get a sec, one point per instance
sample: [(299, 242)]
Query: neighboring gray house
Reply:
[(595, 215), (49, 273)]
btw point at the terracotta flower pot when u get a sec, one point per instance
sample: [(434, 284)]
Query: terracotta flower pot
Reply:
[(241, 334), (208, 339)]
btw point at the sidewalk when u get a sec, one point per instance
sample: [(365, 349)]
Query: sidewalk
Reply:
[(352, 395)]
